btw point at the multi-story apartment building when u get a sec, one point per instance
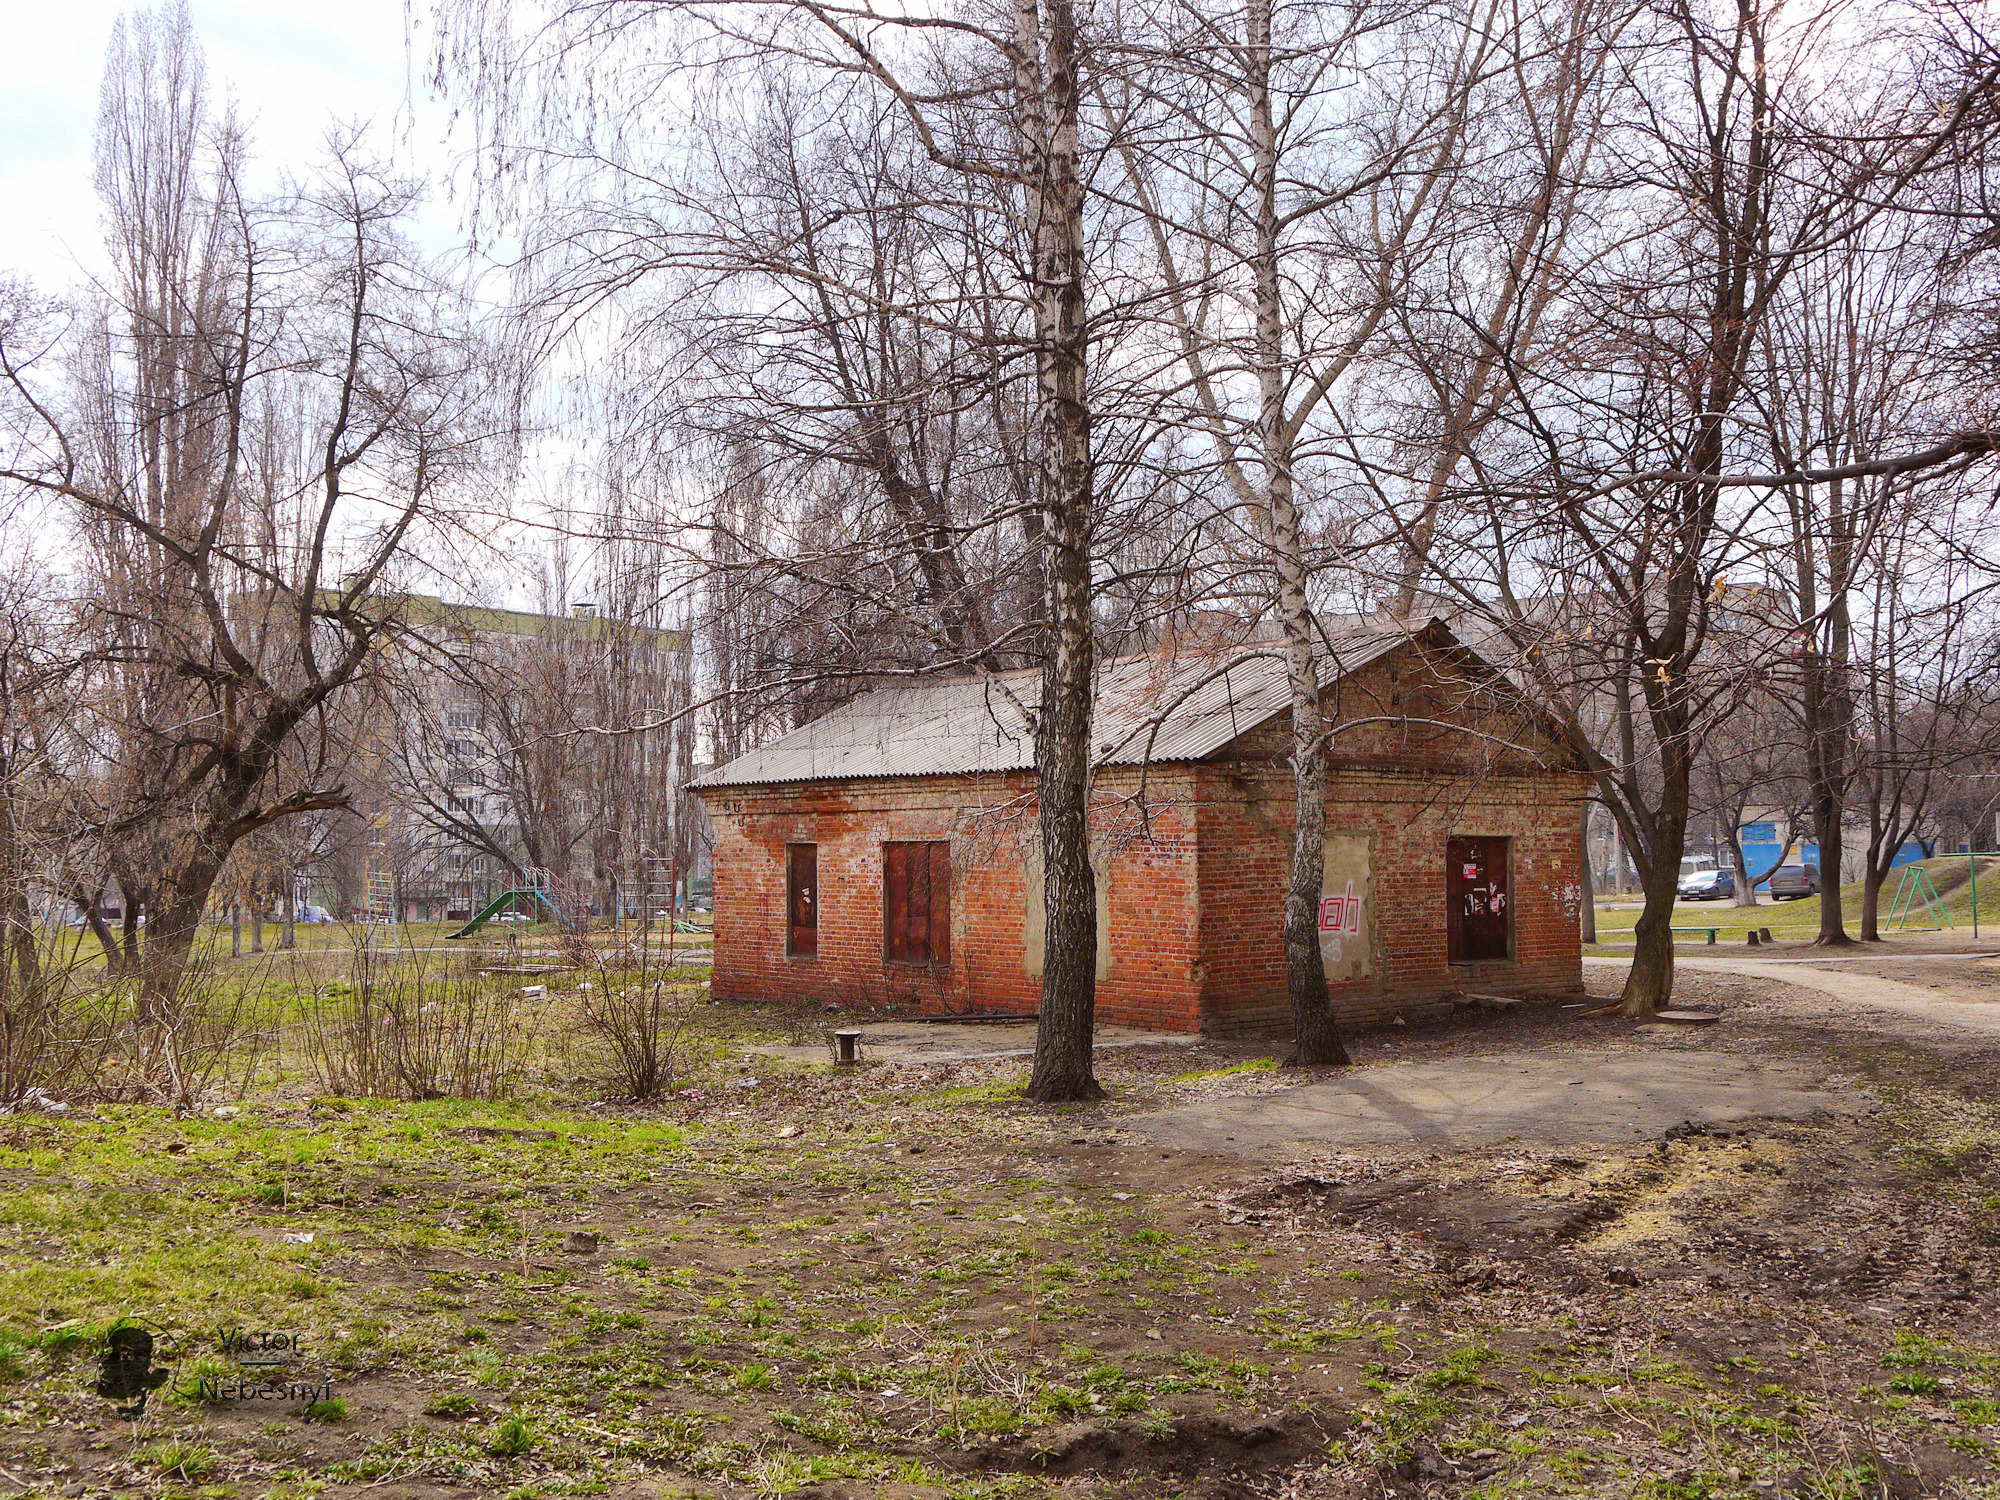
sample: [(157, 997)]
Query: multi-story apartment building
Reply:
[(505, 740)]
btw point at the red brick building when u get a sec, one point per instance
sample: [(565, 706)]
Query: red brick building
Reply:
[(888, 853)]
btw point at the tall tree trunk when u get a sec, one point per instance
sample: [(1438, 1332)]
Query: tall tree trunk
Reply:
[(1832, 921), (1314, 1028), (1588, 885), (1871, 903), (1827, 716), (1739, 869), (1650, 984), (1649, 987), (236, 929), (172, 925), (89, 907), (256, 922), (1046, 101), (128, 935)]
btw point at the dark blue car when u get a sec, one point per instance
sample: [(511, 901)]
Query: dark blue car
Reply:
[(1708, 885)]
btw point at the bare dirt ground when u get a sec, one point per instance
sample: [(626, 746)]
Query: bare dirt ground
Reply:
[(1579, 1096), (1951, 975), (1760, 1261)]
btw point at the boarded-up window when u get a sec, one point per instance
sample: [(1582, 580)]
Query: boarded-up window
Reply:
[(802, 899), (1476, 899), (916, 903)]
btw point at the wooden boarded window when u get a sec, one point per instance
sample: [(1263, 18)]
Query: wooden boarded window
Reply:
[(916, 903), (802, 900), (1477, 899)]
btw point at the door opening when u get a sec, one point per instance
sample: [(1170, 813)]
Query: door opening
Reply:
[(1477, 900), (802, 900)]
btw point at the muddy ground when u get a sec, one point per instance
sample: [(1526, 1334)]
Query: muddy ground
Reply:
[(900, 1280)]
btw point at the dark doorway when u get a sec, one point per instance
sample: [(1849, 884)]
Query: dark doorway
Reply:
[(802, 900), (1476, 899)]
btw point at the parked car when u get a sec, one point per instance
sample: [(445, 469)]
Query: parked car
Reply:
[(1791, 882), (1709, 885)]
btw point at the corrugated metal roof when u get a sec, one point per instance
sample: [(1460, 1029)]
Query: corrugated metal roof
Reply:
[(1149, 708)]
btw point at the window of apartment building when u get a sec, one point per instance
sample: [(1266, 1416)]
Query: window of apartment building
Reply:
[(463, 718), (463, 749), (802, 900), (916, 903), (1478, 914), (464, 804)]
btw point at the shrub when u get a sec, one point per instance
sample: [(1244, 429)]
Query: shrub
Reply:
[(179, 1458), (640, 1026), (425, 1036), (753, 1377)]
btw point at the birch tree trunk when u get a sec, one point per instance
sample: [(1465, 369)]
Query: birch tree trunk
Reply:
[(1314, 1028), (1046, 104), (1589, 885)]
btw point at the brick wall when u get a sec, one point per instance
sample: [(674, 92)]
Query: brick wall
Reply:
[(1198, 858), (1408, 787), (1245, 825), (1150, 927)]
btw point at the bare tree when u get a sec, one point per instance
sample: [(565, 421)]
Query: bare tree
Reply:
[(1289, 191), (238, 341), (997, 102), (1610, 493)]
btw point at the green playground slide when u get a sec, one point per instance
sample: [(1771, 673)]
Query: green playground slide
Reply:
[(501, 902)]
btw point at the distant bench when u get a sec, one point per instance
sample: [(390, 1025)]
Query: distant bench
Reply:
[(1711, 931)]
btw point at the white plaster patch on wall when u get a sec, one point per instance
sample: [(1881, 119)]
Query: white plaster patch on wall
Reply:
[(1035, 916), (1347, 908)]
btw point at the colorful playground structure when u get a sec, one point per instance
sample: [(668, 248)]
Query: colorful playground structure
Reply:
[(540, 890)]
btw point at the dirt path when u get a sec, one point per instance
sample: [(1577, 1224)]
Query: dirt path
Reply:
[(1865, 990), (1580, 1095)]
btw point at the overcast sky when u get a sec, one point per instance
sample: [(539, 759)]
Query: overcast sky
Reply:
[(292, 66)]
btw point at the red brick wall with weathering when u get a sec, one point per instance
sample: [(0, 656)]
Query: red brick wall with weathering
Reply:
[(1408, 786), (1151, 931), (1245, 836), (1198, 860)]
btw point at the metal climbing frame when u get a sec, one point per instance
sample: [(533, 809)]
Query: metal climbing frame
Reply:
[(381, 910), (658, 880), (559, 896), (1916, 886), (538, 887)]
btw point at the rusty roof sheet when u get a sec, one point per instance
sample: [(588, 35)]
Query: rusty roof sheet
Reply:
[(1149, 708)]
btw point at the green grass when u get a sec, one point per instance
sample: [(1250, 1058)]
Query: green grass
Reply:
[(1800, 919), (1255, 1065), (767, 1313)]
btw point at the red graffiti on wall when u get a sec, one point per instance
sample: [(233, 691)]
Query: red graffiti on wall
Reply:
[(1341, 913)]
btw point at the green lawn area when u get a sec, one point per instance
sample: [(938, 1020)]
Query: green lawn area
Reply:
[(1800, 919), (77, 945)]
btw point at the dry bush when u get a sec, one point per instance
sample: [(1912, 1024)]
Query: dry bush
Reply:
[(643, 1025), (69, 1031), (59, 1034), (204, 1036), (421, 1035)]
